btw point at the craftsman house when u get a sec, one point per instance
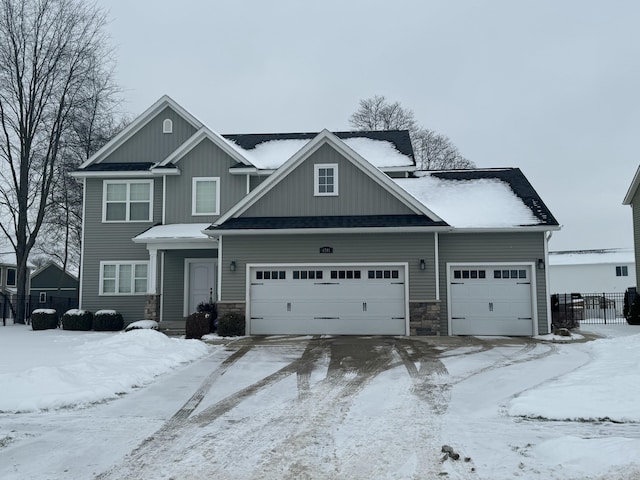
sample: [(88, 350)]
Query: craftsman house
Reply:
[(309, 233)]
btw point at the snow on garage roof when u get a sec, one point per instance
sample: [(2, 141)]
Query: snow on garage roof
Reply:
[(620, 256), (478, 199)]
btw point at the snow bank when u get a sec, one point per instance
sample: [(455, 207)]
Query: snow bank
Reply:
[(92, 368), (607, 388)]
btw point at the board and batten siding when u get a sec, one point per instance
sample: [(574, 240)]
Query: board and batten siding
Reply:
[(359, 194), (149, 144), (493, 247), (174, 264), (112, 241), (635, 212), (347, 248), (205, 160)]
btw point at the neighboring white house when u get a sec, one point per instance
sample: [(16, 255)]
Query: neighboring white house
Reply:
[(592, 271)]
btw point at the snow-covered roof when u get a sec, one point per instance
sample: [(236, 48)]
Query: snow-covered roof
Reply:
[(470, 203), (620, 256), (271, 154), (175, 231)]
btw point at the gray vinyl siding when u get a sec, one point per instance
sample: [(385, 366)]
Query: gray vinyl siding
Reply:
[(358, 193), (255, 181), (112, 241), (387, 247), (205, 160), (635, 212), (149, 144), (173, 295), (493, 247)]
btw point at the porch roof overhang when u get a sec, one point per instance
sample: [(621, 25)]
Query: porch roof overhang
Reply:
[(177, 236)]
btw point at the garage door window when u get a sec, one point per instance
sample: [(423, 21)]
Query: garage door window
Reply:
[(271, 275), (383, 274), (510, 274), (458, 274), (345, 274), (307, 274)]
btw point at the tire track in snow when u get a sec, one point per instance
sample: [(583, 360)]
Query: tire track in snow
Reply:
[(151, 447)]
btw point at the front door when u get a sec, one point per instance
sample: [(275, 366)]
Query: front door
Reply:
[(200, 283)]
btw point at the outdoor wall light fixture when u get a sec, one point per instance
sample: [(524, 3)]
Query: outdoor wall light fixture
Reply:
[(423, 265), (541, 264), (232, 266)]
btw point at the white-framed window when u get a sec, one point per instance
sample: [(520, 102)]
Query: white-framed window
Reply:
[(127, 200), (123, 278), (167, 125), (12, 277), (205, 196), (622, 271), (325, 179)]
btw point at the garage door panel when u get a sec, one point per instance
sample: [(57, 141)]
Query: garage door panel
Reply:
[(491, 300), (365, 300)]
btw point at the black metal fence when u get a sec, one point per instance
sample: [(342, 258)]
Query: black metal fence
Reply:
[(567, 309), (8, 306)]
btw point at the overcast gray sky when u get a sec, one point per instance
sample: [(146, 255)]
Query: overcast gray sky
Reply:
[(548, 86)]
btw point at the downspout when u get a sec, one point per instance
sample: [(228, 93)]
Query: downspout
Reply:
[(219, 282), (436, 255), (546, 279)]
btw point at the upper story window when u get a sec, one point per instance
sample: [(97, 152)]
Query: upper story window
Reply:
[(167, 125), (123, 278), (11, 277), (622, 271), (325, 179), (205, 196), (127, 201)]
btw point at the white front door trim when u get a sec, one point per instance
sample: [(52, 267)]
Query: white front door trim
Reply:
[(534, 296)]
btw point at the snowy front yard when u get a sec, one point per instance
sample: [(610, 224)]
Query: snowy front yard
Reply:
[(141, 405)]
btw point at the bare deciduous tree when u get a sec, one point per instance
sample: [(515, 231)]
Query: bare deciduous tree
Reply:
[(51, 54), (433, 151)]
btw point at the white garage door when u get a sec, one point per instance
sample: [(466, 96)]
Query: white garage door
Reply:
[(491, 300), (331, 299)]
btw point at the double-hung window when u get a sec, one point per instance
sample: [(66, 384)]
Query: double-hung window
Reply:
[(127, 201), (325, 179), (205, 196), (123, 278)]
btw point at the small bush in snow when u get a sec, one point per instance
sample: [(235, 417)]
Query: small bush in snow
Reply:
[(142, 325), (77, 320), (198, 324), (210, 307), (231, 325), (44, 319), (107, 321)]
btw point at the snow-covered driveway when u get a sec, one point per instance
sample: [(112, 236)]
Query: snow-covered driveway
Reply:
[(332, 408)]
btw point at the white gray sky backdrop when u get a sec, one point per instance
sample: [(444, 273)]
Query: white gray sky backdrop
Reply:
[(548, 86)]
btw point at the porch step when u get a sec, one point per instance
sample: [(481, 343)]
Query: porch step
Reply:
[(172, 329)]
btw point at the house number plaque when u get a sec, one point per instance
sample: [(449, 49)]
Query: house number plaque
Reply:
[(326, 249)]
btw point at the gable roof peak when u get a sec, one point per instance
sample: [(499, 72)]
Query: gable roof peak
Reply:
[(135, 126)]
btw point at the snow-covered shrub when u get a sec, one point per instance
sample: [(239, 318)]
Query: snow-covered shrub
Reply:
[(231, 325), (142, 325), (198, 324), (107, 321), (76, 319), (44, 318)]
